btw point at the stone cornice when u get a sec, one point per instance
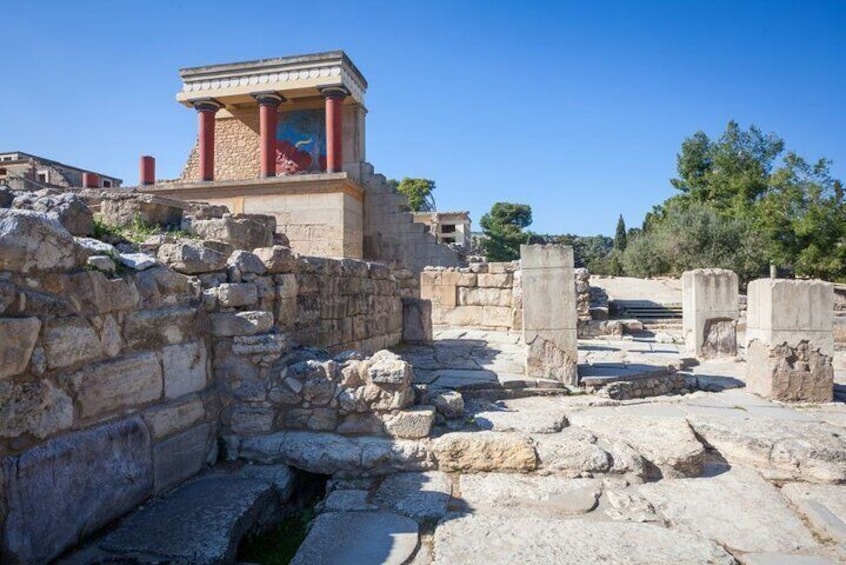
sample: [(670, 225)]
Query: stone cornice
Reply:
[(296, 75)]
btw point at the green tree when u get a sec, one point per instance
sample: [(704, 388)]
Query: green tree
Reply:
[(503, 228), (620, 235), (419, 193)]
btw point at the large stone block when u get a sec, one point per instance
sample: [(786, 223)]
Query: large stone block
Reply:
[(485, 296), (549, 312), (185, 369), (91, 292), (790, 341), (710, 310), (241, 231), (35, 408), (790, 311), (68, 341), (227, 324), (125, 210), (192, 257), (180, 457), (32, 241), (170, 418), (416, 321), (17, 340), (151, 329), (69, 487), (120, 383)]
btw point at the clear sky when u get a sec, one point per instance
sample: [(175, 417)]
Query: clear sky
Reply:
[(576, 108)]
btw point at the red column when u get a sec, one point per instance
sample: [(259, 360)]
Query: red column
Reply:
[(268, 108), (90, 180), (206, 109), (334, 128), (148, 170)]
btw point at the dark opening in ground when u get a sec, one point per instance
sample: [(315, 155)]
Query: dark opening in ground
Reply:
[(278, 545)]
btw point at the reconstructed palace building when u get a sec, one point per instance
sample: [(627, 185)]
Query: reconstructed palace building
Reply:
[(286, 137)]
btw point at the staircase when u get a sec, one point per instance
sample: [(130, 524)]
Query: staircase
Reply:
[(654, 316)]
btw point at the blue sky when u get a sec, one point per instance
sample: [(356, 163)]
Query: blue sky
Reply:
[(576, 108)]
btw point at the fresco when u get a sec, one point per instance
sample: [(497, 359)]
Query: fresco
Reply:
[(301, 142)]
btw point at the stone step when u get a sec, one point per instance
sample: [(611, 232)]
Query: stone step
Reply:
[(201, 522)]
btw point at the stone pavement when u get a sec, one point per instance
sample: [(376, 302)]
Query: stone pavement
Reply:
[(716, 475)]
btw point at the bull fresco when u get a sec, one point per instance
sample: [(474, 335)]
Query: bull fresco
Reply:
[(301, 142)]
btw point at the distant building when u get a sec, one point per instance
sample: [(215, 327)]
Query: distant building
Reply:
[(24, 171), (452, 228)]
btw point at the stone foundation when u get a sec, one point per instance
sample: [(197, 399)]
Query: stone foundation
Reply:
[(782, 372), (790, 341), (644, 387)]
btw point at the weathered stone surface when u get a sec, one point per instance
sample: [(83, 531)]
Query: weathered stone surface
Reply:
[(202, 522), (32, 241), (92, 292), (549, 312), (709, 310), (330, 454), (138, 261), (241, 231), (111, 385), (180, 457), (775, 558), (70, 486), (352, 500), (368, 537), (474, 452), (573, 451), (822, 506), (150, 329), (17, 340), (36, 408), (170, 418), (125, 210), (412, 423), (277, 259), (233, 295), (529, 494), (68, 341), (68, 209), (534, 540), (448, 403), (737, 509), (420, 496), (416, 321), (669, 445), (783, 372), (102, 263), (227, 324), (388, 368), (191, 257), (787, 449), (533, 415), (185, 368), (243, 262)]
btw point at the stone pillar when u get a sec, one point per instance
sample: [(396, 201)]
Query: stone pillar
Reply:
[(549, 312), (90, 180), (334, 97), (206, 109), (710, 312), (416, 321), (268, 111), (789, 340), (147, 169)]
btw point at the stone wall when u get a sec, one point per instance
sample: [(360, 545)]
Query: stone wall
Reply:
[(483, 295), (113, 386), (390, 234)]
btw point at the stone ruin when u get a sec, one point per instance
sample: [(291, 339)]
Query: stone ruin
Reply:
[(129, 369)]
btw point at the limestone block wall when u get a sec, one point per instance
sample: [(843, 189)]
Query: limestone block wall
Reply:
[(484, 295), (115, 388), (105, 400)]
